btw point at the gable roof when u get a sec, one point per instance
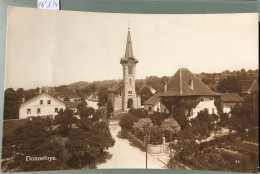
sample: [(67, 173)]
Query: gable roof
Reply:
[(39, 96), (247, 86), (73, 104), (68, 93), (116, 86), (180, 85), (153, 100), (231, 97)]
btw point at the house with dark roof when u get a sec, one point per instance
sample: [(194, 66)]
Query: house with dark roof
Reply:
[(184, 85), (229, 100), (67, 94), (123, 95), (154, 104), (248, 86)]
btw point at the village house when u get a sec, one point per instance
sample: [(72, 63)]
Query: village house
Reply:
[(248, 87), (123, 95), (42, 105), (184, 85), (229, 100), (154, 104)]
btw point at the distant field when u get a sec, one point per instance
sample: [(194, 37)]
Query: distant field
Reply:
[(10, 125)]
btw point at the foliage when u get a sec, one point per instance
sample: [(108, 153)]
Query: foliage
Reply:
[(11, 106), (145, 94), (156, 135), (127, 121), (142, 127), (204, 123), (65, 119), (139, 113), (110, 109), (170, 126), (158, 117), (102, 96), (230, 84), (85, 147)]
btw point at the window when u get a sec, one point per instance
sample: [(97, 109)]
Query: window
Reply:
[(120, 93), (49, 102), (211, 98), (129, 92), (165, 110), (202, 99), (56, 109), (191, 111), (41, 102), (130, 69), (150, 108), (28, 111), (130, 81), (38, 111)]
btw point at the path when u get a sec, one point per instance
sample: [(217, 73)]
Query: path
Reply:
[(124, 155)]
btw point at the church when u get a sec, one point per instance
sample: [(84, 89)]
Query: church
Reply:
[(123, 95)]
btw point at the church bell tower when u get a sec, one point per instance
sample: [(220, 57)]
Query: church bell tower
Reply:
[(128, 62)]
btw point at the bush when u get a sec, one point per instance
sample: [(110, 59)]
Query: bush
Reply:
[(142, 127), (127, 121), (156, 135), (169, 126), (157, 118), (139, 113)]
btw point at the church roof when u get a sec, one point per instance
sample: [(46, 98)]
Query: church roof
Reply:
[(116, 86), (128, 50), (180, 85)]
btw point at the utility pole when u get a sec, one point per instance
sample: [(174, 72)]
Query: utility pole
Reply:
[(146, 141)]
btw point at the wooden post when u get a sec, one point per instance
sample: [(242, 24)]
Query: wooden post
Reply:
[(171, 145)]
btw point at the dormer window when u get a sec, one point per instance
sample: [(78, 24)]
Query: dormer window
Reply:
[(191, 84)]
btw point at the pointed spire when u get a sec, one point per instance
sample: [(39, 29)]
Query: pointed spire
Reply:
[(129, 49)]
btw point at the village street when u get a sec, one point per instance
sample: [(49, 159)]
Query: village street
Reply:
[(124, 155)]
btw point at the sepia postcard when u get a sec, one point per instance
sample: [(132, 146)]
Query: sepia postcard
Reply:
[(88, 90)]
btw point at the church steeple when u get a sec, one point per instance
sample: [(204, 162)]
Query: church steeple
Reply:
[(129, 48)]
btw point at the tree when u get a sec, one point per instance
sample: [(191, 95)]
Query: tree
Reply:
[(11, 104), (139, 113), (65, 119), (158, 117), (110, 109), (127, 121), (229, 84), (102, 96), (142, 127), (145, 94), (170, 126)]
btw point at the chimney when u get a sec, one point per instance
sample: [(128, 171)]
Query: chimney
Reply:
[(23, 99), (47, 89), (40, 90), (191, 84), (165, 86)]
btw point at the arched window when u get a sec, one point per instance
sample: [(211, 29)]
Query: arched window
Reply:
[(130, 69)]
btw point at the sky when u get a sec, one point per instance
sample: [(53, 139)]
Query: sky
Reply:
[(51, 48)]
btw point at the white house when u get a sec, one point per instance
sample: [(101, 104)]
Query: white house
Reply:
[(42, 105)]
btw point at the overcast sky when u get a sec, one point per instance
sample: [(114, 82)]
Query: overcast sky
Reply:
[(46, 47)]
